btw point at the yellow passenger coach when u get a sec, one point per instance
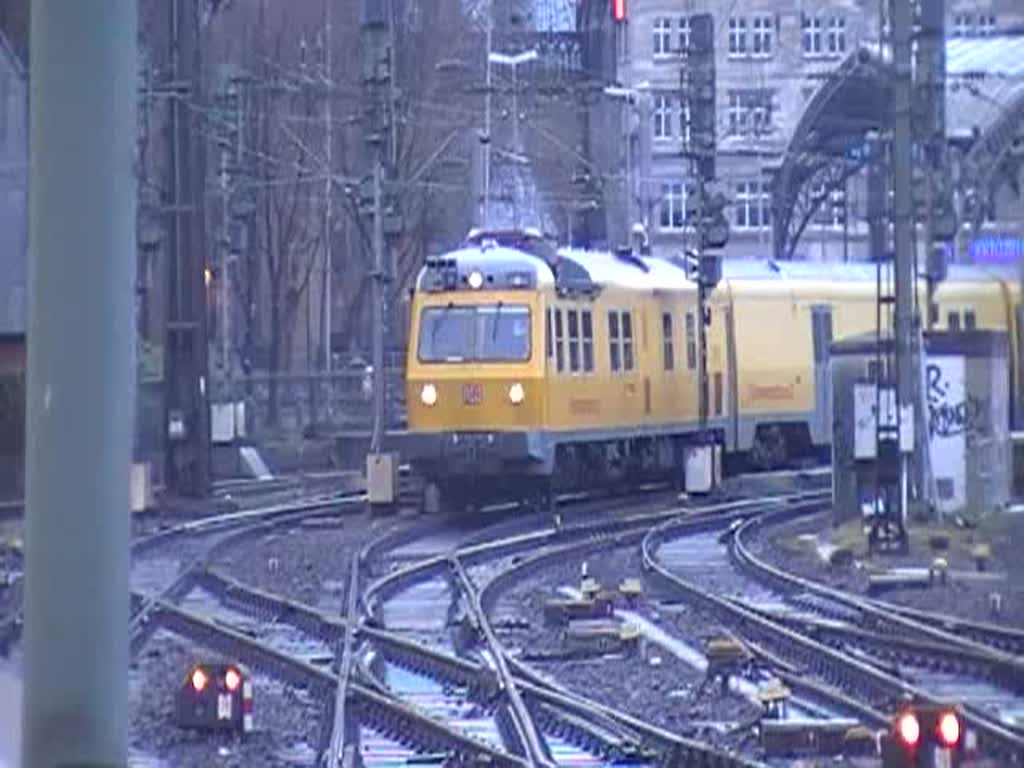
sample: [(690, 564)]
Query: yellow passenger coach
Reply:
[(530, 369)]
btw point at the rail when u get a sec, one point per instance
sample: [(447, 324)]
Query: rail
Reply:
[(526, 731)]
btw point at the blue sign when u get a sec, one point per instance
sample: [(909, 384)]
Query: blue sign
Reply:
[(997, 250)]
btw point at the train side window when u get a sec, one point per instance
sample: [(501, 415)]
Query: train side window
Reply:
[(718, 393), (691, 341), (549, 342), (574, 341), (970, 320), (614, 348), (666, 331), (953, 321), (587, 323), (559, 358), (627, 341)]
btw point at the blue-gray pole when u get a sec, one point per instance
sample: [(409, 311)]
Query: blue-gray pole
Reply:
[(81, 374)]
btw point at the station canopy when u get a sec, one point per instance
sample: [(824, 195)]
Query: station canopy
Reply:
[(984, 108)]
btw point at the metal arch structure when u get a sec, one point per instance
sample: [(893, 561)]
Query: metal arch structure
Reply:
[(827, 145), (994, 158)]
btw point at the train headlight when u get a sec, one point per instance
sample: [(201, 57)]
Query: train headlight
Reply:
[(516, 393), (232, 680), (476, 280), (428, 395), (199, 680)]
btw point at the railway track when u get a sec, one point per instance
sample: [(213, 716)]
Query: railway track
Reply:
[(826, 650), (554, 543)]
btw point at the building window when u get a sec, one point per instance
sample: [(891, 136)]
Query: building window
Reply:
[(614, 341), (811, 35), (684, 34), (761, 39), (963, 24), (837, 35), (662, 124), (953, 321), (662, 36), (673, 206), (986, 25), (627, 341), (691, 341), (752, 204), (832, 209), (737, 36), (970, 320), (719, 391), (667, 341), (574, 341), (684, 121), (587, 322), (750, 112)]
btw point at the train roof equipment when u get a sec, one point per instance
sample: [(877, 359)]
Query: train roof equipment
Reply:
[(524, 259)]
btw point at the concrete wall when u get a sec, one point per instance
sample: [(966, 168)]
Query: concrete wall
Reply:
[(13, 192)]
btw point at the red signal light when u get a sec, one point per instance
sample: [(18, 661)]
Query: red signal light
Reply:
[(619, 10), (949, 729), (232, 680), (199, 680), (909, 729)]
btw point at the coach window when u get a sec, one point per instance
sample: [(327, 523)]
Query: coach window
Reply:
[(970, 320), (691, 341), (614, 348), (549, 341), (627, 341), (587, 321), (574, 340), (559, 358), (666, 330)]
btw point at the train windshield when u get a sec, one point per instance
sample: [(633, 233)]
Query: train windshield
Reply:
[(491, 332)]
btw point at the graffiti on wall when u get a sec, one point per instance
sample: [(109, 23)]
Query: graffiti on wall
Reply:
[(951, 411)]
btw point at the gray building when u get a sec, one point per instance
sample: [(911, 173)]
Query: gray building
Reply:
[(771, 57), (13, 190)]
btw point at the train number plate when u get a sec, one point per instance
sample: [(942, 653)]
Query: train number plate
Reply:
[(224, 706), (472, 394), (943, 758)]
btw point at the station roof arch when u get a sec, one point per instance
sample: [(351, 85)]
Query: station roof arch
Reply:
[(984, 120)]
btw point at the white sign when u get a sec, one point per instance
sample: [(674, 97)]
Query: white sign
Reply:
[(866, 402), (224, 706)]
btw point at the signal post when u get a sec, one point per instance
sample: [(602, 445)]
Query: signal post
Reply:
[(707, 211)]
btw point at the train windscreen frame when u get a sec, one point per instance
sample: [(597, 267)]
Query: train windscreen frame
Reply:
[(478, 333)]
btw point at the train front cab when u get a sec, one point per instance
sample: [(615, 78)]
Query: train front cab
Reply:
[(476, 362)]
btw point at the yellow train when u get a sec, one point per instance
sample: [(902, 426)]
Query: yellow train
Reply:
[(529, 368)]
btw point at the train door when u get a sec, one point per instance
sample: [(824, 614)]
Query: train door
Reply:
[(821, 336)]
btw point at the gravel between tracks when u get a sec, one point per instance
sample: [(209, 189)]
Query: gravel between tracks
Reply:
[(285, 718), (653, 685), (305, 563), (791, 547)]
